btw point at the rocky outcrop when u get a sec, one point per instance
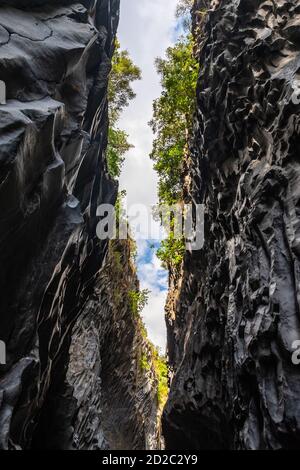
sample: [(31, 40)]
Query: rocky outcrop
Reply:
[(108, 347), (54, 304), (234, 316)]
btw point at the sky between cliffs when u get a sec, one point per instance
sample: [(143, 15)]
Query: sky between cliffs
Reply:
[(147, 28)]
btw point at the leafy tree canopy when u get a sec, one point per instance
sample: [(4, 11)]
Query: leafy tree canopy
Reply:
[(123, 73), (117, 147), (172, 116), (171, 123), (120, 93)]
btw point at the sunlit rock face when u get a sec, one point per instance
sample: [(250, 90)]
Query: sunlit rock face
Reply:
[(233, 320), (55, 60)]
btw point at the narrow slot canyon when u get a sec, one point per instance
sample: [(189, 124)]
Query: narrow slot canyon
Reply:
[(149, 261)]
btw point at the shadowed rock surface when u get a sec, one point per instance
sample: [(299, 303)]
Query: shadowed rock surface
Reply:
[(55, 60), (111, 327), (234, 314)]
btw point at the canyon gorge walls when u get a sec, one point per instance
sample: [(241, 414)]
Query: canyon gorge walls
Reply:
[(233, 316), (72, 373), (79, 371)]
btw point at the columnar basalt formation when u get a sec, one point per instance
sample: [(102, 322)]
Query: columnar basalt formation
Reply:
[(234, 316), (55, 59)]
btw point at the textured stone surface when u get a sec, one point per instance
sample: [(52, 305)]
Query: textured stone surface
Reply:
[(129, 407), (108, 401), (55, 59), (234, 314)]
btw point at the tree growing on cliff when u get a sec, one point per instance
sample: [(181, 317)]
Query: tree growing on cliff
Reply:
[(171, 124), (120, 92), (138, 300), (172, 116)]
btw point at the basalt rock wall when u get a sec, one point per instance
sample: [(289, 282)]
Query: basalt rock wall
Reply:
[(233, 316), (55, 58)]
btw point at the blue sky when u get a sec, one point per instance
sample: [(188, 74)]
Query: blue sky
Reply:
[(149, 267), (147, 28)]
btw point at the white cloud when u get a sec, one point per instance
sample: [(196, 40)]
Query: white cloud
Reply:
[(146, 30), (153, 278), (155, 323)]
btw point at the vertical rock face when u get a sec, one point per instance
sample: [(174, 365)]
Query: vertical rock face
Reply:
[(108, 344), (55, 60), (235, 316)]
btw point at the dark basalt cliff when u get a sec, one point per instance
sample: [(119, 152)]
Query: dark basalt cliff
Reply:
[(72, 357), (234, 315)]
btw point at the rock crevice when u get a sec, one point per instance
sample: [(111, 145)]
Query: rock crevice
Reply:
[(55, 59)]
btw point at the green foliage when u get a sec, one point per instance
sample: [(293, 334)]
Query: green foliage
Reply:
[(143, 329), (161, 369), (171, 252), (160, 366), (172, 116), (138, 300), (171, 123), (120, 93), (117, 147), (144, 363), (119, 210)]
